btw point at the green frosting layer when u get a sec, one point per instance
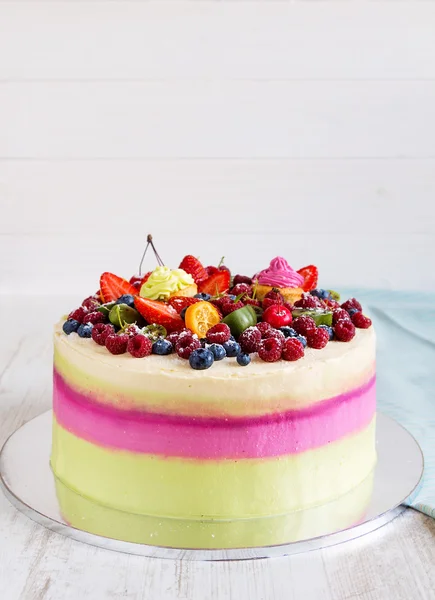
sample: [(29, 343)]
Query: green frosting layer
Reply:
[(163, 282)]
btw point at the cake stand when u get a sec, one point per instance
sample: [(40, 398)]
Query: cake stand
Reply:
[(27, 481)]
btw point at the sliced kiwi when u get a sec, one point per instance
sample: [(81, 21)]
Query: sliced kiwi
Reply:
[(320, 315), (154, 331)]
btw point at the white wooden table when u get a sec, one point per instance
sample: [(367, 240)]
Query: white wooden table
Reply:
[(396, 562)]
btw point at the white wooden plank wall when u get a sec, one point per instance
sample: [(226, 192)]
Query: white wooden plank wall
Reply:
[(238, 128)]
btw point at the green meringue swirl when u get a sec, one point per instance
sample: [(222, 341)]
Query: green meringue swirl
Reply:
[(163, 282)]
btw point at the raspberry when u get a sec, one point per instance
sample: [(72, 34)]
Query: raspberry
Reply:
[(293, 349), (250, 339), (91, 303), (308, 302), (304, 325), (100, 333), (263, 327), (275, 334), (252, 301), (186, 344), (344, 330), (230, 306), (117, 344), (339, 314), (351, 303), (218, 334), (241, 288), (270, 350), (331, 303), (94, 318), (78, 314), (361, 321), (219, 302), (139, 346), (173, 337), (288, 305), (242, 279), (131, 330), (318, 339)]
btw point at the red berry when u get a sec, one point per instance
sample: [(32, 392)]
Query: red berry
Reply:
[(344, 330), (252, 301), (304, 325), (351, 303), (194, 267), (230, 306), (218, 334), (277, 316), (310, 275), (117, 344), (139, 346), (100, 332), (180, 302), (331, 303), (91, 303), (186, 344), (112, 287), (78, 314), (271, 298), (308, 302), (241, 288), (293, 349), (339, 314), (263, 327), (318, 338), (94, 318), (275, 334), (132, 330), (361, 321), (250, 339), (242, 279), (270, 350)]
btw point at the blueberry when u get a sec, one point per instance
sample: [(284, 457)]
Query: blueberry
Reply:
[(183, 312), (316, 293), (243, 359), (70, 326), (126, 299), (302, 339), (203, 296), (288, 331), (232, 296), (322, 294), (231, 348), (232, 338), (329, 330), (352, 311), (201, 359), (162, 347), (85, 330), (218, 351)]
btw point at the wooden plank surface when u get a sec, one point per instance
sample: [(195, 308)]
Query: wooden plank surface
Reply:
[(395, 562)]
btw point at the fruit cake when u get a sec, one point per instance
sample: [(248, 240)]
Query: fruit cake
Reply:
[(196, 396)]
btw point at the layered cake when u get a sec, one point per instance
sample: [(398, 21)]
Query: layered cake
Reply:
[(189, 404)]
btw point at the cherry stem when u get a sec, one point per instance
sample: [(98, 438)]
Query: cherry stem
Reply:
[(150, 243)]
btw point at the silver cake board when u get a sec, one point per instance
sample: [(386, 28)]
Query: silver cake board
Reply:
[(28, 483)]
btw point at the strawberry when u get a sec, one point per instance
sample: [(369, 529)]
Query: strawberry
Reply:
[(159, 313), (112, 287), (216, 284), (193, 266), (211, 270), (180, 302), (310, 275)]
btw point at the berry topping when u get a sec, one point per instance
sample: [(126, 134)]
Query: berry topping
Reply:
[(162, 347), (361, 321), (339, 314), (78, 314), (139, 346), (331, 303), (310, 275), (344, 330), (85, 330), (70, 326), (218, 351), (194, 267), (137, 281), (243, 359), (131, 330), (155, 311), (351, 303), (127, 299), (271, 298), (293, 349), (252, 301), (203, 296), (352, 311), (186, 344), (201, 359), (112, 287), (232, 348), (250, 339), (304, 325), (277, 315), (322, 294), (308, 302), (94, 318), (91, 303), (230, 306), (200, 317), (270, 350), (242, 279), (117, 344), (216, 284), (302, 339), (218, 334), (318, 338), (242, 288), (329, 330), (100, 332), (289, 332), (275, 334), (263, 327)]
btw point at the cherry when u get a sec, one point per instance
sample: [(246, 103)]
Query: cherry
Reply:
[(277, 315)]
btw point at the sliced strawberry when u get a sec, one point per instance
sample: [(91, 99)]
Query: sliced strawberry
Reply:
[(112, 287), (159, 313), (194, 267), (310, 275), (180, 302), (216, 284)]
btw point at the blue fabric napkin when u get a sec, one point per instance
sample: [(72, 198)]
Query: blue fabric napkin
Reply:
[(405, 371)]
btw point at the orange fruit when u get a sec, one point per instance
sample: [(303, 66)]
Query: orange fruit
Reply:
[(200, 317)]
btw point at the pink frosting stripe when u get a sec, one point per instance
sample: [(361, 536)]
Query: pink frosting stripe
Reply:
[(213, 438)]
